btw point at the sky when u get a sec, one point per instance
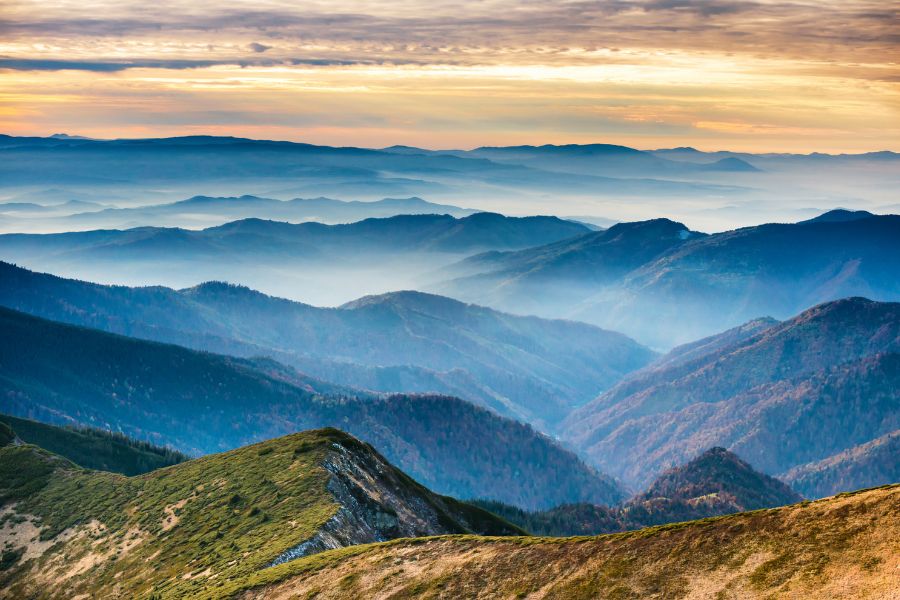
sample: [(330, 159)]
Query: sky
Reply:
[(749, 75)]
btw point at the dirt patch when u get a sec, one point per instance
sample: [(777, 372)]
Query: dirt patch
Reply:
[(170, 519)]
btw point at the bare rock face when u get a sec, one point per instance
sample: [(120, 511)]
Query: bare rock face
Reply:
[(379, 503)]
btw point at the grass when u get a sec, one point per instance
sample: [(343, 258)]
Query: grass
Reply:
[(793, 550), (234, 513), (218, 521)]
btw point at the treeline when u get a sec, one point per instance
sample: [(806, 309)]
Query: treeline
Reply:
[(94, 448)]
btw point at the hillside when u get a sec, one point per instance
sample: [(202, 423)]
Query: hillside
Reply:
[(209, 521), (861, 466), (841, 547), (532, 369), (201, 403), (779, 398), (95, 448), (714, 483), (678, 285)]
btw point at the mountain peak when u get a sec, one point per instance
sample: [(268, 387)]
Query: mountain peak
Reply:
[(731, 163), (839, 215), (720, 472), (405, 298), (655, 227)]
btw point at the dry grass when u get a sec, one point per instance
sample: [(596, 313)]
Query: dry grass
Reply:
[(842, 547)]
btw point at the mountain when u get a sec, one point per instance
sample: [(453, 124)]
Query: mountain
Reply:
[(310, 261), (219, 163), (402, 233), (685, 353), (714, 483), (603, 159), (208, 521), (205, 211), (95, 449), (840, 215), (673, 289), (542, 278), (618, 182), (731, 164), (562, 521), (866, 465), (842, 547), (200, 403), (796, 392), (533, 369)]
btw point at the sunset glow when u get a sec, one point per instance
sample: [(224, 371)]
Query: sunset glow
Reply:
[(760, 76)]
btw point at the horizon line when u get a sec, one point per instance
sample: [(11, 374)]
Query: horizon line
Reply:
[(78, 137)]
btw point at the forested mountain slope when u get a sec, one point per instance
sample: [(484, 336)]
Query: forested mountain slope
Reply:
[(796, 392), (201, 403), (533, 369)]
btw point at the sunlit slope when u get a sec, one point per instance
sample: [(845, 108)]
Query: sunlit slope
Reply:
[(841, 547), (197, 527)]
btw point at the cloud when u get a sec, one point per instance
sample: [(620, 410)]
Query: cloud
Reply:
[(475, 72), (257, 47), (490, 31), (22, 64)]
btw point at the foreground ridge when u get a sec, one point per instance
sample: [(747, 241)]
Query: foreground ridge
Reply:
[(192, 529), (841, 547)]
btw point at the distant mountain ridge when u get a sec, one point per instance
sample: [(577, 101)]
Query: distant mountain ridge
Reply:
[(867, 465), (336, 170), (421, 232), (534, 369), (640, 279), (206, 211)]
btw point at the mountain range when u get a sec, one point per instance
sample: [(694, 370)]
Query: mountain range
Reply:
[(402, 233), (200, 403), (340, 171), (656, 281), (716, 190), (534, 369), (780, 395), (310, 261), (665, 285), (205, 211)]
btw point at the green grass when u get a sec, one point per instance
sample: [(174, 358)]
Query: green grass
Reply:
[(239, 512)]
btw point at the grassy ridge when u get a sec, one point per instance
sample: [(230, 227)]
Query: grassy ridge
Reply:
[(845, 546), (229, 514), (196, 528)]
